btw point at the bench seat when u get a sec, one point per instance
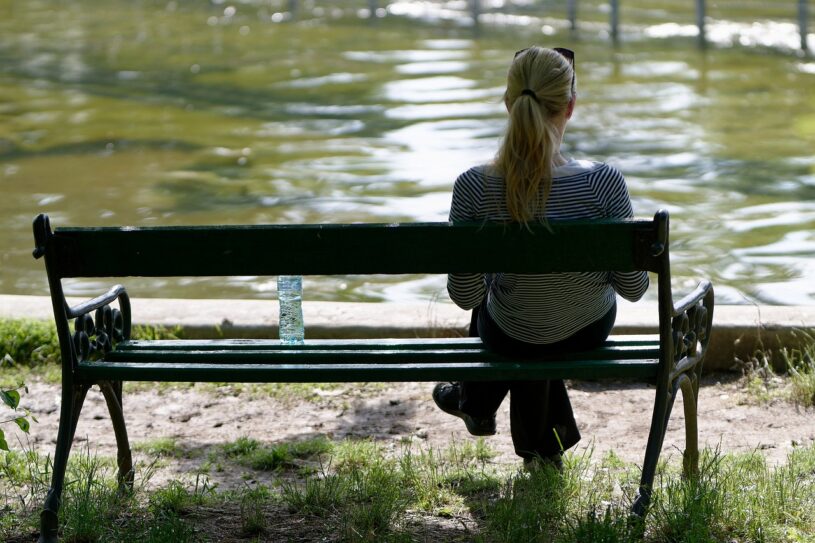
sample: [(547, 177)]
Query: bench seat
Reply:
[(392, 360)]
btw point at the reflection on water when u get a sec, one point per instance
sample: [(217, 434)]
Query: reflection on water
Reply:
[(156, 112)]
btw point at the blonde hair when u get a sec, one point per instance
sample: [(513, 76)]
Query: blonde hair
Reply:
[(540, 85)]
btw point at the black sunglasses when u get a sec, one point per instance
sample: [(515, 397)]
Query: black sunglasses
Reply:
[(568, 54)]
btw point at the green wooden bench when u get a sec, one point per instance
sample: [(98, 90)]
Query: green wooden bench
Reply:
[(99, 350)]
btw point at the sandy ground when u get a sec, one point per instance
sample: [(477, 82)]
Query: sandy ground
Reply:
[(611, 417)]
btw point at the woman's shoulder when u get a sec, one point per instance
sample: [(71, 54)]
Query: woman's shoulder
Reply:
[(576, 167), (481, 171), (481, 175)]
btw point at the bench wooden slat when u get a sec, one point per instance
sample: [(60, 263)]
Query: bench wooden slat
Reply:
[(309, 373), (344, 249), (651, 340), (386, 356)]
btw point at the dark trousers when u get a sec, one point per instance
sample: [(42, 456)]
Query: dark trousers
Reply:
[(541, 418)]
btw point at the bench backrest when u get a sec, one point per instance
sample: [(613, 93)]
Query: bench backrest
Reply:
[(335, 249), (331, 249)]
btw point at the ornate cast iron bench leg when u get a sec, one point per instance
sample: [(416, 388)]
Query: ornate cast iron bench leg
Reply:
[(652, 449), (659, 425), (690, 329), (73, 397), (690, 458), (112, 391)]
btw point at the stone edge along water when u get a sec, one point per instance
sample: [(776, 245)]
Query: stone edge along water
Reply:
[(738, 330)]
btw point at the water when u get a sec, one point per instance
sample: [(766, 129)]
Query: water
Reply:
[(144, 112), (290, 296)]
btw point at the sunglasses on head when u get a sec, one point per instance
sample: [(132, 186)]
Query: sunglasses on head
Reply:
[(568, 54)]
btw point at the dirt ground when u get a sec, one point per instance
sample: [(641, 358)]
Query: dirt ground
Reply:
[(611, 417)]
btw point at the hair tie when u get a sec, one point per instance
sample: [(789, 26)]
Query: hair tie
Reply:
[(530, 92)]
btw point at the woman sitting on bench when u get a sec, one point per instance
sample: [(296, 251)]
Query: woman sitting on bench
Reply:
[(526, 315)]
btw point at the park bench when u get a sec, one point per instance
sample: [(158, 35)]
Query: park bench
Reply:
[(99, 350)]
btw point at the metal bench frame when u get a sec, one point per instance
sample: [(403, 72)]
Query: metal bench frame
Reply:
[(100, 352)]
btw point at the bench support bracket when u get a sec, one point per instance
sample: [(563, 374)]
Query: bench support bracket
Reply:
[(72, 399), (690, 458), (112, 390), (73, 396), (689, 336)]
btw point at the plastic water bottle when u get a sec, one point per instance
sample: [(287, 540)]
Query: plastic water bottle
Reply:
[(290, 296)]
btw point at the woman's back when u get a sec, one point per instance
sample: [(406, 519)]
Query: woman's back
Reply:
[(581, 189), (545, 308)]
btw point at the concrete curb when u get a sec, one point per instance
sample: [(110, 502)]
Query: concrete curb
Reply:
[(738, 331)]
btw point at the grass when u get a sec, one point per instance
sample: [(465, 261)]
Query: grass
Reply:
[(800, 365), (28, 348), (28, 342), (93, 507), (161, 447), (363, 491), (763, 384), (251, 453)]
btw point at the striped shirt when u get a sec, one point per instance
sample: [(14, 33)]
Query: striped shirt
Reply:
[(545, 308)]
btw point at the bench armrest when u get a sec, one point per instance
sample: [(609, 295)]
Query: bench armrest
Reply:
[(691, 322), (693, 298), (97, 334), (115, 292)]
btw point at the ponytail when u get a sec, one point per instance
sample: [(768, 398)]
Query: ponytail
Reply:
[(539, 87)]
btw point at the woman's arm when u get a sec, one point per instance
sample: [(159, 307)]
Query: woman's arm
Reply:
[(613, 194), (465, 289)]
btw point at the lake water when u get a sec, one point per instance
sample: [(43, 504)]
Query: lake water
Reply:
[(212, 112)]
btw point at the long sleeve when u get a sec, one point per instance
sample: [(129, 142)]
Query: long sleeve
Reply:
[(611, 184), (467, 290)]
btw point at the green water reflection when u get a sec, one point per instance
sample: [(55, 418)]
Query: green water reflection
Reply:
[(194, 112)]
